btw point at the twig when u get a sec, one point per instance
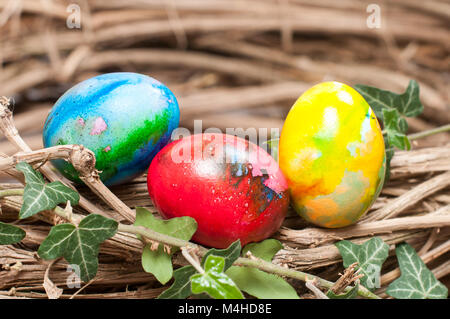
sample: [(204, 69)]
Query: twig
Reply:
[(410, 198), (11, 192), (319, 236), (82, 159), (192, 260), (349, 276), (247, 262), (430, 241), (10, 131), (310, 284), (282, 271), (441, 129), (52, 291), (82, 288)]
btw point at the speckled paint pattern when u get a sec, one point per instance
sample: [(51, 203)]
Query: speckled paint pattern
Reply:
[(124, 118), (232, 188), (332, 154)]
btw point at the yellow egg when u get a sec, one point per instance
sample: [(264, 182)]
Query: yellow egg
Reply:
[(332, 154)]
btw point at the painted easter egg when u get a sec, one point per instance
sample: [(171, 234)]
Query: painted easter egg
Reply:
[(332, 153), (124, 118), (231, 187)]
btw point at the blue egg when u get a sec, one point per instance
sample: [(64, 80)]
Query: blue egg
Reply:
[(124, 118)]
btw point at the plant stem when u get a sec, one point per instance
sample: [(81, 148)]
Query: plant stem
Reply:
[(247, 262), (162, 238), (201, 251), (191, 260), (316, 291), (440, 129), (281, 271), (11, 192)]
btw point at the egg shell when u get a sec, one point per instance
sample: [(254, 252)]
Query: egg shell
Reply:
[(232, 188), (332, 153), (124, 118)]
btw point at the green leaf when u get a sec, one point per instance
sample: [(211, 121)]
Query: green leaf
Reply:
[(389, 155), (393, 129), (392, 109), (158, 262), (55, 244), (264, 250), (229, 254), (407, 104), (214, 281), (259, 283), (351, 294), (39, 196), (10, 234), (181, 288), (79, 245), (370, 257), (179, 227), (416, 280)]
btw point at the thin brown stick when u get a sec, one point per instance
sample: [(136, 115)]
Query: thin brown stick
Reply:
[(317, 236), (81, 158), (410, 198)]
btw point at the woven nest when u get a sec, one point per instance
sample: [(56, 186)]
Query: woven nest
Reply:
[(233, 64)]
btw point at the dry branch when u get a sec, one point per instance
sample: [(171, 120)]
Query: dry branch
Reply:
[(242, 64), (310, 237)]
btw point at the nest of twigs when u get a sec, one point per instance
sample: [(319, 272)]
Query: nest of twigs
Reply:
[(231, 64)]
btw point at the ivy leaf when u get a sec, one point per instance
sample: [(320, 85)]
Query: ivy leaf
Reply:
[(392, 109), (158, 262), (229, 254), (370, 257), (214, 281), (264, 250), (351, 294), (395, 129), (10, 234), (259, 283), (79, 245), (39, 196), (416, 280), (179, 227), (55, 244), (181, 288), (407, 104), (389, 155)]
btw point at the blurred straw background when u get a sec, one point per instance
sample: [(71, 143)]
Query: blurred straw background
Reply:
[(241, 64)]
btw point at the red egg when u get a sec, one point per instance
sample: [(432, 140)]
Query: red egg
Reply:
[(231, 187)]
